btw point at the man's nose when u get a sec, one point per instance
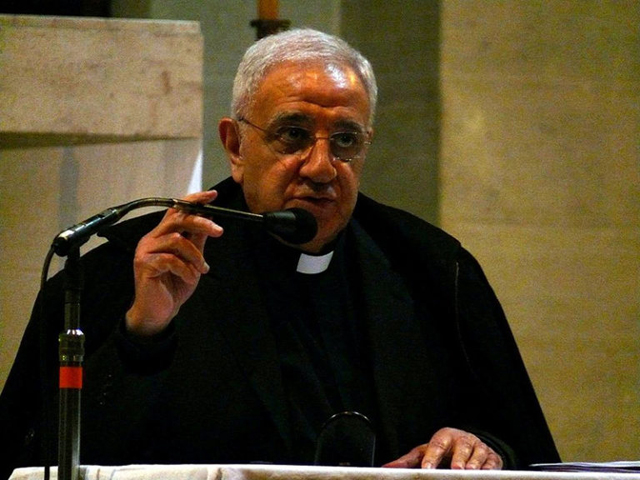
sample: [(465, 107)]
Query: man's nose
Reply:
[(319, 165)]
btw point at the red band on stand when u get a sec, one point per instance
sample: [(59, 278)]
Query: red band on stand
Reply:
[(71, 377)]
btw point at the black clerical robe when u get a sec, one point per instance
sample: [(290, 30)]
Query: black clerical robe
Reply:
[(320, 338), (437, 352)]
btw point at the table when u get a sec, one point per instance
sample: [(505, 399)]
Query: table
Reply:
[(287, 472)]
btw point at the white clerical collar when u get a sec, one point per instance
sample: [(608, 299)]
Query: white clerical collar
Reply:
[(313, 264)]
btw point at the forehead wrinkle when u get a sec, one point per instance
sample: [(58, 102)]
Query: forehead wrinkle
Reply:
[(312, 95)]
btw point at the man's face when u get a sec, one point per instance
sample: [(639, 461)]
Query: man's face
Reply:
[(323, 99)]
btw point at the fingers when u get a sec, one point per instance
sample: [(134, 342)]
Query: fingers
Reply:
[(473, 454), (437, 449), (450, 447), (465, 447), (410, 460), (172, 252), (177, 243), (168, 264), (183, 222), (493, 461), (465, 450)]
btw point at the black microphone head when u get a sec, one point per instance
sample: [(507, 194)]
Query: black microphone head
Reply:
[(346, 439), (295, 225)]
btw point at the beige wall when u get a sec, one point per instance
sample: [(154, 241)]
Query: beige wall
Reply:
[(540, 176), (45, 190), (515, 125), (95, 80)]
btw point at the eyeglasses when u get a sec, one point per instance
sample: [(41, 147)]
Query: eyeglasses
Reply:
[(295, 140)]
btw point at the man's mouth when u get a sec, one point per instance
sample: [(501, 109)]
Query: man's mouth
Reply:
[(314, 202)]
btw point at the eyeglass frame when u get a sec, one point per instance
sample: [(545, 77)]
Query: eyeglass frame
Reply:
[(308, 149)]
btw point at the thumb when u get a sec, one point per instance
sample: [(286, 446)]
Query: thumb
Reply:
[(410, 460)]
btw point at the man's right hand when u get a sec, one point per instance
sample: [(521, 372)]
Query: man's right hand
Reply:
[(167, 266)]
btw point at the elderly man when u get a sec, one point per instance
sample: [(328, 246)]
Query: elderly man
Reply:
[(226, 344)]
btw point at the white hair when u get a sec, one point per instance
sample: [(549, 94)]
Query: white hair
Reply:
[(298, 45)]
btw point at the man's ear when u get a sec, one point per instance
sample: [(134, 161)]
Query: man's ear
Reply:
[(230, 137)]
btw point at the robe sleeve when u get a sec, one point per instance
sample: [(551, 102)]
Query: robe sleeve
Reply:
[(496, 365)]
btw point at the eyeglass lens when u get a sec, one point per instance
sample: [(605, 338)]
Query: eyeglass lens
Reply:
[(295, 140)]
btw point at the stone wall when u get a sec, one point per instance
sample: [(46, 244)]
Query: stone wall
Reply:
[(540, 176)]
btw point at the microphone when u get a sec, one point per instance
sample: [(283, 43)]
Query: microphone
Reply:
[(80, 233), (346, 439), (294, 225)]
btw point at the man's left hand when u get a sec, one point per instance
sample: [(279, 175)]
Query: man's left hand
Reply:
[(453, 448)]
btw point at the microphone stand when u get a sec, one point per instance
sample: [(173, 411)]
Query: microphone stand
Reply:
[(71, 356), (293, 225)]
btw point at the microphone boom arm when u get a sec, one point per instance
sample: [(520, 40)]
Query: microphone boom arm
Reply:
[(294, 225)]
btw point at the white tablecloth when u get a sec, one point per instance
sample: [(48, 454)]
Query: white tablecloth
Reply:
[(279, 472)]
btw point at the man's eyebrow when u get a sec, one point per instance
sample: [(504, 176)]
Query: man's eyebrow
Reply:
[(349, 125), (295, 118), (298, 118)]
